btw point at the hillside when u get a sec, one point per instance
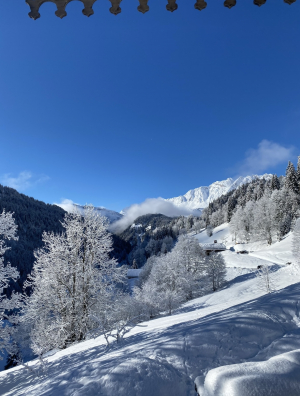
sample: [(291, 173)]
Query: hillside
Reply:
[(200, 197), (143, 224), (237, 324), (33, 217)]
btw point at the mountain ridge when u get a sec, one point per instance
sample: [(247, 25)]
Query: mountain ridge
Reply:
[(200, 197), (111, 215)]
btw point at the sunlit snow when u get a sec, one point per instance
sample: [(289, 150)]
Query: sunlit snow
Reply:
[(236, 325)]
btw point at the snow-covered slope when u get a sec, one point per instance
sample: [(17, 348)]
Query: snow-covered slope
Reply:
[(200, 197), (259, 252), (237, 324), (111, 215)]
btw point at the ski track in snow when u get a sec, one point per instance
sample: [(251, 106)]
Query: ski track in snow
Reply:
[(237, 324)]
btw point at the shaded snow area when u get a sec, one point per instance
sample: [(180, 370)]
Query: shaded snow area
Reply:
[(236, 340), (277, 376)]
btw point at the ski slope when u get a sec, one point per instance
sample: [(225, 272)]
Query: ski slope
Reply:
[(236, 325)]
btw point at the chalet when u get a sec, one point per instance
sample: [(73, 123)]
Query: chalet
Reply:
[(213, 247), (132, 278), (133, 273)]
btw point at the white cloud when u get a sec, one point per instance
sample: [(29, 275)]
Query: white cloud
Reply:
[(67, 205), (23, 181), (149, 206), (267, 156)]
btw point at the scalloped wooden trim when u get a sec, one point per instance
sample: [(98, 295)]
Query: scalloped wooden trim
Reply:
[(116, 9)]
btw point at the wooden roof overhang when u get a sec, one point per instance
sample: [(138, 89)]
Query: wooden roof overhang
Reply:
[(115, 6)]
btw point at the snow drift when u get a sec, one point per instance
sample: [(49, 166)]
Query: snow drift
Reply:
[(277, 376)]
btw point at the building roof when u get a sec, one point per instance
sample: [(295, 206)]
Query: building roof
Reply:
[(116, 9), (133, 273), (213, 246)]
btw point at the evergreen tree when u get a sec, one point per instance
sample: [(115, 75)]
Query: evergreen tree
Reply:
[(261, 189), (8, 231), (230, 208), (275, 184), (298, 172), (291, 182), (296, 242), (249, 193)]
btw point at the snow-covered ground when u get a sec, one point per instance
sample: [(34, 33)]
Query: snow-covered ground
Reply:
[(278, 253), (278, 376), (164, 356)]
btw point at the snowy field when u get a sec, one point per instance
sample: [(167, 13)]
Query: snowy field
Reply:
[(239, 326)]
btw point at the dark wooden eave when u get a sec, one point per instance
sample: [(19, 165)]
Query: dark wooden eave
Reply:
[(115, 6)]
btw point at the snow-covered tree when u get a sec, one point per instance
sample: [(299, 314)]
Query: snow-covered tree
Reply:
[(242, 222), (298, 172), (217, 218), (275, 183), (216, 270), (263, 220), (167, 244), (169, 279), (149, 297), (209, 230), (73, 279), (230, 207), (296, 242), (8, 231), (146, 270), (291, 182), (264, 277), (193, 260), (199, 225), (261, 189), (120, 315)]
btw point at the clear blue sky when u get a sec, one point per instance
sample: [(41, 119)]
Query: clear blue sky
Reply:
[(111, 110)]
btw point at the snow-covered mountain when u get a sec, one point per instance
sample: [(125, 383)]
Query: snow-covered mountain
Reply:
[(200, 197), (110, 214), (70, 206)]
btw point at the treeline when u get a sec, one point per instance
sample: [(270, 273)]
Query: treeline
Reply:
[(182, 274), (156, 234), (151, 234), (74, 283), (32, 217), (265, 209), (77, 288)]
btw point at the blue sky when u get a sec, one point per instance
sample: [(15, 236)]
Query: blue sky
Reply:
[(111, 110)]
